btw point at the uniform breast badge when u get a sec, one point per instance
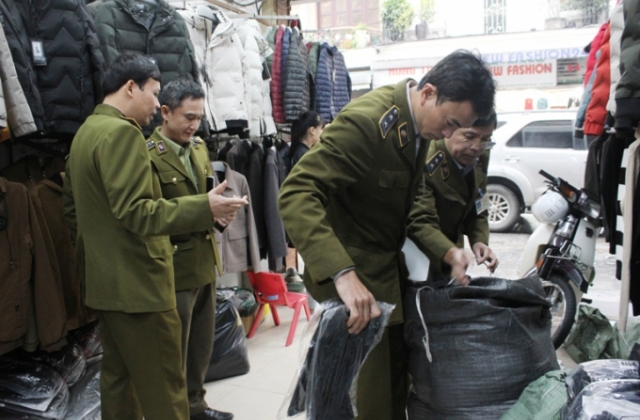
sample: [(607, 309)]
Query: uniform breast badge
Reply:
[(403, 135), (161, 147)]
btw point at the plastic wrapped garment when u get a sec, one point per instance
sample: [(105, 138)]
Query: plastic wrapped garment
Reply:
[(543, 399), (229, 357), (243, 299), (69, 361), (608, 400), (474, 349), (33, 389), (325, 386), (598, 371), (85, 394), (88, 337)]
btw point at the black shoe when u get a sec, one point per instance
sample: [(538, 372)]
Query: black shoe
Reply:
[(211, 414)]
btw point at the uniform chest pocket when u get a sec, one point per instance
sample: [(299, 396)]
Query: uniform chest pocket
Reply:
[(394, 179), (171, 177)]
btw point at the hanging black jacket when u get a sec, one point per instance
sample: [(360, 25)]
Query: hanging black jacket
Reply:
[(70, 84), (131, 26), (125, 27), (62, 93)]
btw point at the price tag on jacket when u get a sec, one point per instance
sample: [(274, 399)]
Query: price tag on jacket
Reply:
[(37, 52)]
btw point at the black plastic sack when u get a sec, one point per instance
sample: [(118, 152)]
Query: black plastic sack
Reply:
[(69, 361), (600, 370), (487, 342), (326, 385), (88, 337), (84, 396), (608, 400), (243, 299), (32, 389), (229, 357)]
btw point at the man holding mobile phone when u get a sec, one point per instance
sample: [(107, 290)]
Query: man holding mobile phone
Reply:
[(180, 163)]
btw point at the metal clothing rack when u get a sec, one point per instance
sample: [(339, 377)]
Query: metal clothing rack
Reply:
[(238, 13)]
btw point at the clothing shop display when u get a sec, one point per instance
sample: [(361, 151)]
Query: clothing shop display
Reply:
[(238, 243), (474, 349), (333, 359)]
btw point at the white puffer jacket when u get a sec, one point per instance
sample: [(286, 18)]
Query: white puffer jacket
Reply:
[(14, 108), (227, 76), (257, 49)]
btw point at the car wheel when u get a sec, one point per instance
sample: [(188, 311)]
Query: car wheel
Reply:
[(504, 208)]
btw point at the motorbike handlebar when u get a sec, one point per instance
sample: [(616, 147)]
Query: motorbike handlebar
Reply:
[(547, 175)]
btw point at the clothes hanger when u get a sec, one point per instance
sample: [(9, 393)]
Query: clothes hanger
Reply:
[(206, 13), (218, 166)]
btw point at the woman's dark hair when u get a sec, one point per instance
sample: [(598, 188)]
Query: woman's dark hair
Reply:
[(300, 126), (129, 66)]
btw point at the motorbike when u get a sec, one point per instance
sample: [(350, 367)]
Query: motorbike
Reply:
[(561, 250)]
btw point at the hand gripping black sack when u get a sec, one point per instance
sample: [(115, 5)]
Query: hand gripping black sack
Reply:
[(485, 344), (229, 357)]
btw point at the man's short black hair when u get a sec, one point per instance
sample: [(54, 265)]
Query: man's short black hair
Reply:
[(462, 76), (129, 66), (178, 90), (490, 121)]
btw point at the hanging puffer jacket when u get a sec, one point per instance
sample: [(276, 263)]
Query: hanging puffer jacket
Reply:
[(71, 83), (296, 90), (277, 99), (333, 85)]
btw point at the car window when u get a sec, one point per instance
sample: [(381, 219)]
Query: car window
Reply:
[(544, 134)]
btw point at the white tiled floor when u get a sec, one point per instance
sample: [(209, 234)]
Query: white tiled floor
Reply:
[(259, 394)]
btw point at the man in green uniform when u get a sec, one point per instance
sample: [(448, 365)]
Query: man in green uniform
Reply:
[(452, 202), (181, 164), (346, 202), (116, 213)]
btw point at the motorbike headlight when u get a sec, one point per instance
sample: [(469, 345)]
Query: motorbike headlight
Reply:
[(589, 206)]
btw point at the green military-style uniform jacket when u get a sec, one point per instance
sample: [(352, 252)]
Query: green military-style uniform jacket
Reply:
[(445, 207), (122, 221), (195, 254), (346, 201)]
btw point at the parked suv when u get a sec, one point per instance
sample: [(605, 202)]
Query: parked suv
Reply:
[(525, 143)]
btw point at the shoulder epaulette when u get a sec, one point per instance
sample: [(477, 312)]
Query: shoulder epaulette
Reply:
[(435, 161), (388, 120)]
